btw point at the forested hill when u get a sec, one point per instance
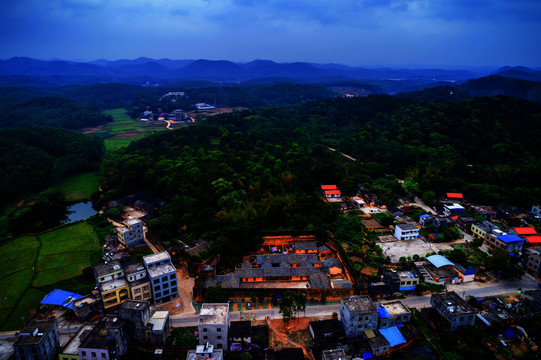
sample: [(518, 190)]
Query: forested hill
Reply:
[(34, 158), (262, 169), (50, 111)]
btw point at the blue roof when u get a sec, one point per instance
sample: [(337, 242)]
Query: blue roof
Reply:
[(510, 334), (407, 288), (367, 355), (60, 298), (393, 336), (383, 314), (509, 238), (439, 261), (424, 216)]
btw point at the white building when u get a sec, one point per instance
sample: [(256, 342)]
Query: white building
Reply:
[(132, 233), (406, 231), (213, 324)]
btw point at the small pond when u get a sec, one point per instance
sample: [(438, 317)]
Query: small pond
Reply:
[(79, 211)]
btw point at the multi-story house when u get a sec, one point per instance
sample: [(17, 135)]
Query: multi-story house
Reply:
[(481, 230), (205, 352), (71, 350), (357, 314), (214, 324), (453, 309), (532, 261), (158, 328), (113, 287), (138, 282), (107, 341), (406, 231), (162, 275), (137, 314), (37, 341), (393, 313), (132, 233), (510, 243)]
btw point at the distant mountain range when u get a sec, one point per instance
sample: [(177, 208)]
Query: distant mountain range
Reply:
[(220, 70)]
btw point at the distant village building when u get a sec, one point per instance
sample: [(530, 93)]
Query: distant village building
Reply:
[(158, 328), (205, 352), (453, 209), (330, 192), (37, 341), (510, 243), (71, 350), (454, 309), (392, 314), (406, 231), (335, 354), (214, 324), (163, 276), (401, 280), (203, 106), (486, 227), (137, 314)]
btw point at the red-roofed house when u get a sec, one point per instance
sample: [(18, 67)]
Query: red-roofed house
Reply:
[(332, 193), (523, 231), (533, 240), (328, 187), (454, 196)]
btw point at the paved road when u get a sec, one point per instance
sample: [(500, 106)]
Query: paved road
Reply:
[(503, 287)]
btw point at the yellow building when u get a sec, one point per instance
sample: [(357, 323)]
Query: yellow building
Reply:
[(114, 288)]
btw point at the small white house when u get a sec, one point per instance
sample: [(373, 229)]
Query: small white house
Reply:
[(406, 231)]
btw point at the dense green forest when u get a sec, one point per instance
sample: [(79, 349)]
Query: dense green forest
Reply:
[(240, 173), (34, 158), (50, 111)]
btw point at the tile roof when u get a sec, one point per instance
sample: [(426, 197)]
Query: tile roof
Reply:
[(533, 239), (455, 195), (525, 230)]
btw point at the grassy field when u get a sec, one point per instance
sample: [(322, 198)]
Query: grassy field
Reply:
[(33, 264), (79, 187), (124, 130)]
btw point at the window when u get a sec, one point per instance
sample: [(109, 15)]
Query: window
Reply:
[(219, 329), (219, 337), (172, 277), (156, 288), (205, 337), (205, 330), (136, 291), (158, 294), (173, 283), (103, 355), (156, 281), (93, 354), (83, 353)]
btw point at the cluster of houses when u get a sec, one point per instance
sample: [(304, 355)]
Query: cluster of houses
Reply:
[(154, 279), (106, 339)]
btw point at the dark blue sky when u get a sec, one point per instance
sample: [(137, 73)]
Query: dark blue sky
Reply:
[(353, 32)]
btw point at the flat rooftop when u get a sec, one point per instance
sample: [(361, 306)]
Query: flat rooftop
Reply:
[(113, 284), (72, 348), (106, 269), (213, 313), (133, 268), (396, 308), (34, 332), (132, 222), (336, 354), (360, 304), (104, 333), (161, 270), (406, 227), (135, 305), (154, 258), (451, 300)]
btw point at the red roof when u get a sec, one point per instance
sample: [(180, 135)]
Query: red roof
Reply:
[(454, 218), (332, 192), (525, 230), (455, 195), (536, 240), (328, 187)]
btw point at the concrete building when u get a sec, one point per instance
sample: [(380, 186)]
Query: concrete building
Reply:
[(88, 306), (158, 328), (113, 287), (393, 313), (532, 261), (358, 313), (137, 314), (163, 276), (205, 352), (214, 324), (511, 243), (138, 282), (378, 344), (406, 231), (486, 227), (132, 233), (37, 341), (401, 280), (71, 350), (107, 341), (453, 209), (453, 309)]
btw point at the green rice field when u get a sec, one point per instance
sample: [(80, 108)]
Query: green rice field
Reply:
[(32, 264), (79, 187)]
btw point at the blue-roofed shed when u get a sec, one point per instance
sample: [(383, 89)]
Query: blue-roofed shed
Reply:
[(60, 298), (367, 355), (509, 238), (383, 313), (393, 336), (439, 261)]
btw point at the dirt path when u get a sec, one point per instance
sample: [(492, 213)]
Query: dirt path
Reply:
[(284, 338), (185, 289)]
